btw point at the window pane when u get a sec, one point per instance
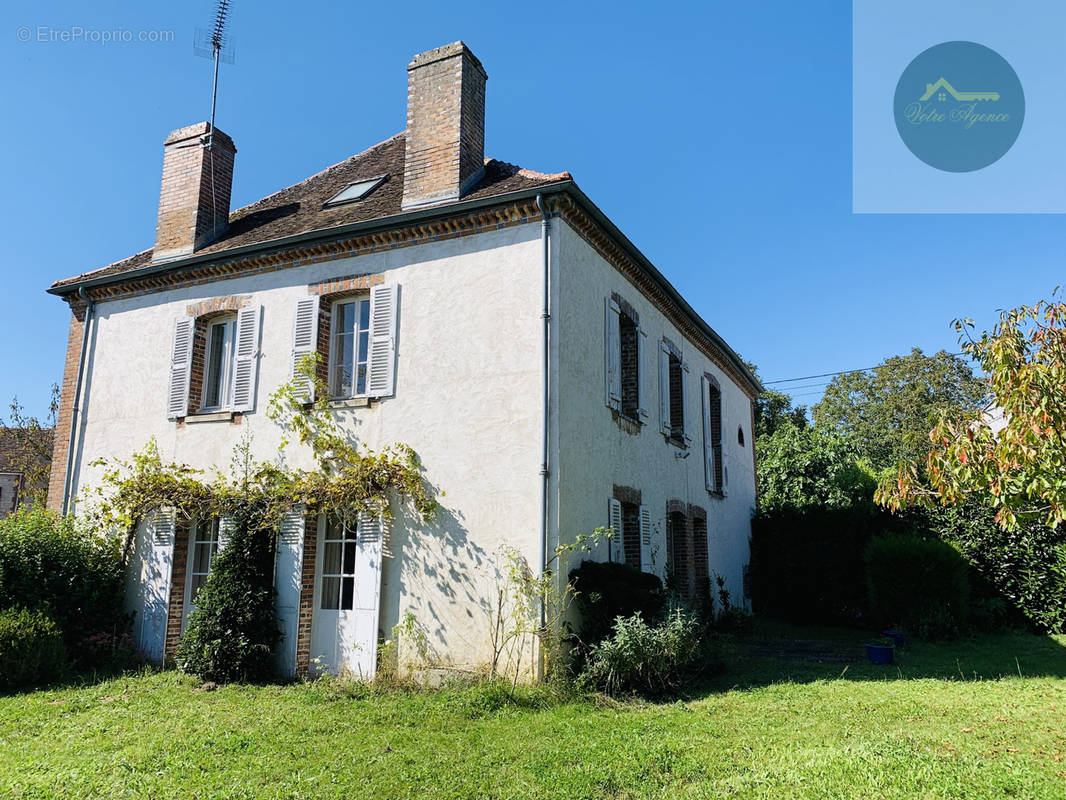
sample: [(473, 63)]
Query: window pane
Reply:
[(331, 559), (198, 582), (334, 529), (342, 349), (349, 558), (364, 315), (348, 594), (202, 557), (331, 592), (216, 349)]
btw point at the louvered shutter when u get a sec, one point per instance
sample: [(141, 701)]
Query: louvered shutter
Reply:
[(366, 601), (664, 389), (612, 355), (384, 316), (642, 380), (157, 571), (686, 432), (304, 342), (288, 569), (645, 539), (616, 552), (180, 364), (226, 526), (246, 358), (708, 450)]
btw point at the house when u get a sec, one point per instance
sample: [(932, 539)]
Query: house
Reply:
[(24, 467), (550, 378)]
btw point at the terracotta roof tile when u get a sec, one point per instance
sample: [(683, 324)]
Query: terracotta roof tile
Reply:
[(299, 208)]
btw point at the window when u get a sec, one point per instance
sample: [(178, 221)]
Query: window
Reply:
[(740, 436), (672, 393), (624, 346), (338, 566), (631, 523), (714, 469), (202, 552), (218, 365), (349, 348), (355, 191)]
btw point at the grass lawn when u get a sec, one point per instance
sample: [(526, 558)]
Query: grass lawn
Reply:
[(795, 714)]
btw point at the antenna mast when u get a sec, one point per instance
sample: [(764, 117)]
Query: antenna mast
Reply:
[(217, 42)]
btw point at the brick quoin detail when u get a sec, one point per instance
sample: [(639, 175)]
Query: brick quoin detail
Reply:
[(307, 596), (176, 605), (61, 440), (347, 284)]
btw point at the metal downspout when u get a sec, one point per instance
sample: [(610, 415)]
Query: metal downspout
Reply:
[(545, 471), (90, 306)]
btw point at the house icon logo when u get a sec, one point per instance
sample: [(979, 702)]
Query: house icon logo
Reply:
[(955, 130)]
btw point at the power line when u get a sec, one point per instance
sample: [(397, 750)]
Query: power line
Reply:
[(834, 374)]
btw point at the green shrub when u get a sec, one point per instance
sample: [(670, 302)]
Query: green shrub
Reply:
[(1025, 568), (647, 659), (48, 563), (606, 591), (919, 583), (231, 633), (31, 649)]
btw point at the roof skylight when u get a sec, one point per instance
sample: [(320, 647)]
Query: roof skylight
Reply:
[(355, 191)]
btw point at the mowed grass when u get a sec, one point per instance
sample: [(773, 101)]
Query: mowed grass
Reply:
[(952, 720)]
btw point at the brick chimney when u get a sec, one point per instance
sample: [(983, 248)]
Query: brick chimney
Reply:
[(195, 192), (445, 125)]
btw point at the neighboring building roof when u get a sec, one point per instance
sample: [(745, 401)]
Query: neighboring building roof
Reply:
[(10, 448), (299, 208)]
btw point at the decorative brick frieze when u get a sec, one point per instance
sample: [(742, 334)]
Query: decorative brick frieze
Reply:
[(348, 284)]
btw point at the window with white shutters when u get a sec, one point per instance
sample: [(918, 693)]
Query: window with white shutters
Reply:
[(625, 383), (713, 463), (672, 378)]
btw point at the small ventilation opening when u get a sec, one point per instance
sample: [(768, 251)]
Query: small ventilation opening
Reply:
[(355, 191)]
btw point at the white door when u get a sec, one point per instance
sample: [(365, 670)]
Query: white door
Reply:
[(344, 628)]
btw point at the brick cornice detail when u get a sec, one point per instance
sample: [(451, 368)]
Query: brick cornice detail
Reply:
[(495, 218)]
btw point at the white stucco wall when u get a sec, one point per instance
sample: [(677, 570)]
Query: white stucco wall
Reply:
[(468, 387), (598, 453)]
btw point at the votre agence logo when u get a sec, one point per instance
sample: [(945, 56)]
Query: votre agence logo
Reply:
[(959, 106)]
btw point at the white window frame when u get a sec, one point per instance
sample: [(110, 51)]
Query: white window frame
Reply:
[(338, 532), (226, 368), (214, 542), (358, 333)]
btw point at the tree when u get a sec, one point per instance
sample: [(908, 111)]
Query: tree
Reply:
[(886, 412), (29, 447), (1020, 470), (804, 467), (774, 409)]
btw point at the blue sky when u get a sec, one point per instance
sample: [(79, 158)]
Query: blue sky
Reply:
[(717, 136)]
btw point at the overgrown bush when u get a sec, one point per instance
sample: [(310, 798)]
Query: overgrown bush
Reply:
[(31, 649), (606, 591), (48, 563), (917, 582), (807, 565), (231, 633), (1024, 568), (647, 658)]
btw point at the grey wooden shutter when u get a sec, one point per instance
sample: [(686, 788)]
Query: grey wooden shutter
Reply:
[(686, 436), (180, 364), (645, 539), (384, 316), (246, 358), (642, 381), (616, 551), (288, 573), (664, 389), (304, 342), (708, 450), (612, 347)]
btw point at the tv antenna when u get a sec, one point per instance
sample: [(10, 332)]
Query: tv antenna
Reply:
[(215, 44)]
